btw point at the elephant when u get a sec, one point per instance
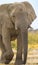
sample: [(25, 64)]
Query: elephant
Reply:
[(15, 19)]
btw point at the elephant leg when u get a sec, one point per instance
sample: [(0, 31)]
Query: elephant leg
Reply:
[(2, 49), (2, 45), (8, 55), (19, 50), (22, 44), (25, 45)]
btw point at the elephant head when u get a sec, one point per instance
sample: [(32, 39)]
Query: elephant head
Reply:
[(23, 12)]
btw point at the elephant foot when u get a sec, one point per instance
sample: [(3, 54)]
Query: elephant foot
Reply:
[(8, 57), (2, 60), (18, 62), (23, 62)]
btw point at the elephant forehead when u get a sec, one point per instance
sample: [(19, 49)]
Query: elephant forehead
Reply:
[(19, 7), (24, 7)]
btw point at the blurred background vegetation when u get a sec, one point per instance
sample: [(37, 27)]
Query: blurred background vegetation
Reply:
[(32, 37)]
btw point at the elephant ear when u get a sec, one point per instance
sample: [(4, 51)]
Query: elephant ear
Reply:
[(30, 11)]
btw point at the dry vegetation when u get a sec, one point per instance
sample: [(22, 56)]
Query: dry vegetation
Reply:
[(33, 39)]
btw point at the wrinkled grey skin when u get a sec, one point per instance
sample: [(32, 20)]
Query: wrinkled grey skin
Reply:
[(15, 19)]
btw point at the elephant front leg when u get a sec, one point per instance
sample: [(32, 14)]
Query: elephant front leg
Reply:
[(22, 46), (25, 45), (19, 50), (2, 49), (8, 55)]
